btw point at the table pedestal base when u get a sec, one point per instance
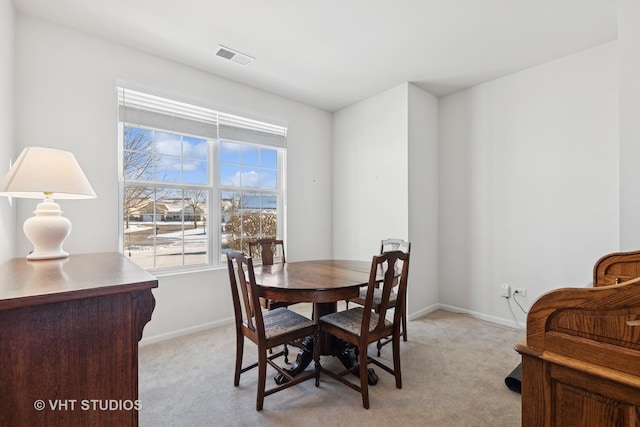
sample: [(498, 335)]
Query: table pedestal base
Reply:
[(345, 352)]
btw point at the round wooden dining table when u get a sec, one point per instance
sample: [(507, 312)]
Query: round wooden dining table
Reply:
[(321, 282)]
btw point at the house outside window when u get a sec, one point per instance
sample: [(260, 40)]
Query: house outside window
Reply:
[(195, 182)]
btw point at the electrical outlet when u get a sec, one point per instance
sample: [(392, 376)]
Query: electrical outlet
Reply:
[(520, 291), (505, 290)]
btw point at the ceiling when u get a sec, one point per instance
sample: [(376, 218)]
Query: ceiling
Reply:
[(333, 53)]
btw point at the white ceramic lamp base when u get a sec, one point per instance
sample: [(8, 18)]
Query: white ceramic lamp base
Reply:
[(47, 230)]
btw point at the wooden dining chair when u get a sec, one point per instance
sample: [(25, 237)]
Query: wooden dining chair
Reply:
[(268, 250), (265, 329), (362, 326), (387, 245)]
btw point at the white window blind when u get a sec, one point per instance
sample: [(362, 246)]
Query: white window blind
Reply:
[(246, 130), (152, 111)]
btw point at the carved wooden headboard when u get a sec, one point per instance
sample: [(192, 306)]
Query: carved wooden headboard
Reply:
[(585, 322), (616, 268), (581, 357)]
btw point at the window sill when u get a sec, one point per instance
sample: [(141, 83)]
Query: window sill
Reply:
[(167, 272)]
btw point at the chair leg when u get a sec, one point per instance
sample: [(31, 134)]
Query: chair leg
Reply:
[(262, 379), (396, 360), (239, 353), (286, 354), (380, 343), (404, 325), (316, 358), (364, 376)]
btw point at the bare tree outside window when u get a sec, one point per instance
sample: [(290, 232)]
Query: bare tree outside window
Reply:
[(196, 200), (137, 166), (161, 209)]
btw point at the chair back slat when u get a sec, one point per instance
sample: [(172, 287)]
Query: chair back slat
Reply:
[(389, 264), (243, 283), (267, 250), (388, 245)]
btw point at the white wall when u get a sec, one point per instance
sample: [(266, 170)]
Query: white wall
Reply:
[(370, 174), (66, 98), (529, 190), (385, 166), (528, 167), (7, 211), (628, 44), (423, 288)]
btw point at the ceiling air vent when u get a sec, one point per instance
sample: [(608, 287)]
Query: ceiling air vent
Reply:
[(233, 55)]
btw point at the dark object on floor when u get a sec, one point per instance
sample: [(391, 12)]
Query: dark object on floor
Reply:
[(372, 377), (514, 379)]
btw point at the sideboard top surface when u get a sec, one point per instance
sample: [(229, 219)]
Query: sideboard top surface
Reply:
[(28, 282)]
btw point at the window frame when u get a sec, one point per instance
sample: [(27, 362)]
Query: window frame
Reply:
[(279, 191), (214, 188)]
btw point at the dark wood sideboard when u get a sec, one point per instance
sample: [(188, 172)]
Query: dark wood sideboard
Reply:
[(69, 332)]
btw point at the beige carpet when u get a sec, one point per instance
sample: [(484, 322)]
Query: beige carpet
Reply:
[(453, 375)]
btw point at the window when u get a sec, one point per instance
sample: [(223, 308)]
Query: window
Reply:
[(249, 193), (195, 182)]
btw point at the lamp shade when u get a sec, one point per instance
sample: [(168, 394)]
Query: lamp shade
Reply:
[(40, 170)]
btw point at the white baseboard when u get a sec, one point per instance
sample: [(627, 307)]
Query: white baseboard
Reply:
[(422, 312), (493, 319), (412, 316), (186, 331)]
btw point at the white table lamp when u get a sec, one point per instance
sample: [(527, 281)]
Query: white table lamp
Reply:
[(46, 172)]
